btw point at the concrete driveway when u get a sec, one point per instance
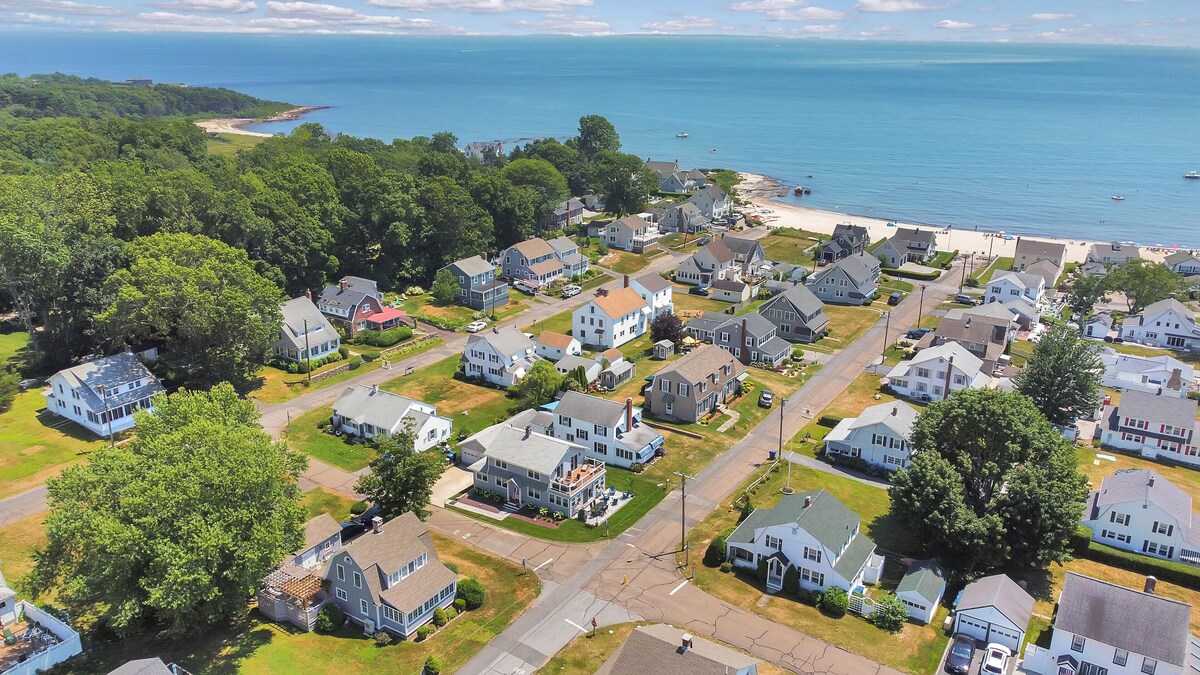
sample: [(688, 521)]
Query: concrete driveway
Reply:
[(453, 481)]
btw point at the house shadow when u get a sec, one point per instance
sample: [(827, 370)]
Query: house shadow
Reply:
[(67, 428)]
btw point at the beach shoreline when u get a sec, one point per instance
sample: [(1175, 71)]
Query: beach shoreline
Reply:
[(236, 125), (763, 191)]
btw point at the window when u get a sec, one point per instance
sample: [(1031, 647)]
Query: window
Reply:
[(1120, 657), (341, 593), (1077, 643), (1148, 665), (813, 554), (391, 614), (533, 474), (341, 573), (532, 494), (1086, 668), (1163, 528), (602, 431), (564, 420), (1154, 548), (1118, 518), (581, 434), (812, 577), (357, 580), (683, 389), (362, 606), (600, 448), (774, 542)]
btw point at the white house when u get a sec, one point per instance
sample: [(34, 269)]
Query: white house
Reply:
[(1008, 286), (994, 609), (1101, 628), (1184, 263), (1099, 326), (103, 394), (1155, 425), (1166, 323), (937, 372), (611, 318), (712, 202), (501, 356), (1149, 374), (656, 291), (553, 346), (305, 332), (1140, 511), (921, 589), (880, 435), (368, 412), (813, 532), (591, 367), (608, 431), (714, 261)]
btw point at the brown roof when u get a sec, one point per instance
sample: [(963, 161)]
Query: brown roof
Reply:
[(657, 649), (620, 302), (702, 362), (718, 250), (977, 329), (398, 542), (534, 248), (557, 340), (612, 354), (1033, 247), (546, 266), (416, 588), (319, 529)]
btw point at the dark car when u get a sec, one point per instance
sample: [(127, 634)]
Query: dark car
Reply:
[(895, 298), (698, 290), (958, 660), (703, 241), (766, 398), (359, 524), (917, 333)]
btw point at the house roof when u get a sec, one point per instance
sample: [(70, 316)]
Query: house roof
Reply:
[(1143, 486), (1103, 318), (1180, 256), (653, 283), (799, 297), (663, 169), (507, 340), (826, 519), (351, 296), (860, 268), (702, 362), (1020, 279), (318, 529), (708, 321), (718, 251), (897, 416), (916, 235), (383, 409), (109, 372), (1001, 592), (572, 361), (1180, 412), (658, 649), (534, 248), (741, 245), (567, 206), (1046, 269), (562, 245), (632, 223), (1115, 252), (756, 324), (991, 309), (1134, 369), (398, 542), (296, 312), (971, 328), (852, 233), (963, 359), (473, 266), (1168, 304), (1044, 249), (712, 192), (416, 588), (926, 578), (613, 354), (535, 451), (556, 340), (1142, 623), (546, 266), (620, 302), (854, 557), (150, 666), (592, 409), (729, 285)]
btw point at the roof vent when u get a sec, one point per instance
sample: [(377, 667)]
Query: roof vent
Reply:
[(807, 501), (1150, 482)]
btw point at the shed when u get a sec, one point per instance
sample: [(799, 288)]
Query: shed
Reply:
[(921, 589), (994, 609), (663, 349), (616, 375)]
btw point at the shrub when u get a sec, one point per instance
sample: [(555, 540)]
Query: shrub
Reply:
[(747, 509), (889, 613), (452, 567), (432, 667), (330, 618), (1181, 574), (715, 553), (834, 602), (637, 467), (726, 567), (439, 617), (382, 638), (355, 362), (367, 358), (323, 423), (761, 572), (791, 581), (386, 338), (358, 508), (344, 351), (471, 591), (414, 290), (292, 368), (830, 421), (451, 613), (460, 605), (424, 632), (812, 598)]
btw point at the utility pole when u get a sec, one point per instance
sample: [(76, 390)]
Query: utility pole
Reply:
[(887, 327), (307, 352), (683, 478), (962, 282), (921, 306), (787, 489)]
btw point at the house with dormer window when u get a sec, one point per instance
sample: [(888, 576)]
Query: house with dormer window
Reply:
[(102, 395), (881, 436), (705, 378), (501, 356), (907, 245), (846, 240), (713, 262), (1140, 511), (797, 313), (608, 431), (305, 333), (391, 577), (1007, 286), (631, 233), (813, 532), (853, 280), (1166, 323), (936, 373), (356, 304), (1155, 425), (533, 260), (751, 338)]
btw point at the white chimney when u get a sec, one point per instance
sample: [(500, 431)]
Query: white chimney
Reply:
[(377, 524)]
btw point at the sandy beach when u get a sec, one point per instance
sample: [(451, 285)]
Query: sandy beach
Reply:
[(762, 191), (236, 125)]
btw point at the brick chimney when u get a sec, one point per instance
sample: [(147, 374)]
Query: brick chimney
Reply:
[(628, 414), (625, 281), (686, 642), (895, 410), (308, 294), (949, 375), (343, 284), (483, 255)]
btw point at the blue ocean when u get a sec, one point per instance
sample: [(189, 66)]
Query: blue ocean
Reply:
[(1024, 138)]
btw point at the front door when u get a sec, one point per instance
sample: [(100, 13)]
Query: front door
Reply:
[(774, 574), (514, 492)]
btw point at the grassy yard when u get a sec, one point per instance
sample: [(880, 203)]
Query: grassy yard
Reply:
[(320, 500), (471, 406), (1143, 350), (12, 348), (1096, 470), (584, 654), (559, 323), (846, 323), (916, 649), (790, 246), (305, 437), (253, 645), (999, 264), (35, 445), (277, 385), (861, 394), (20, 538), (230, 144), (624, 262), (688, 305)]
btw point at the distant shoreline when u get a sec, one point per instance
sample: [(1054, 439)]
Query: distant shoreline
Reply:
[(236, 125)]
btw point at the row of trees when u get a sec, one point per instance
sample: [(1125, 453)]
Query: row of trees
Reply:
[(1142, 281)]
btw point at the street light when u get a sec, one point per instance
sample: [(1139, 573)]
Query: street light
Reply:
[(786, 489)]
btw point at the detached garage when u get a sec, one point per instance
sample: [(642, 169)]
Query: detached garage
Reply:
[(994, 609), (921, 589)]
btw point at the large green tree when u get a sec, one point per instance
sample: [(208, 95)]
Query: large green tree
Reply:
[(597, 135), (547, 184), (538, 387), (991, 483), (1063, 376), (175, 529), (401, 479), (1144, 282), (1086, 291), (624, 181), (198, 298)]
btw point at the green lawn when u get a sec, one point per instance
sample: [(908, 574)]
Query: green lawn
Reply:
[(305, 437), (20, 538), (624, 262), (790, 245), (456, 316), (230, 144), (319, 500), (12, 348), (35, 445), (470, 406), (688, 305), (559, 323), (252, 645), (277, 385), (846, 323), (999, 264)]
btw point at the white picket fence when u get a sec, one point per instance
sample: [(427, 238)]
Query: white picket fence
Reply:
[(861, 605)]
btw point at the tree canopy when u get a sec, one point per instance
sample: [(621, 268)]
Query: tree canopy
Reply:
[(624, 181), (1086, 291), (1063, 376), (537, 387), (597, 135), (990, 483), (401, 478), (175, 529), (1144, 282)]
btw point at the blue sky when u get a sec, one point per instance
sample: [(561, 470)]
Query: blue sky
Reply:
[(1150, 22)]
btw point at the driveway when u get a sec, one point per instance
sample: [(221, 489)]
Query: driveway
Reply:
[(453, 481)]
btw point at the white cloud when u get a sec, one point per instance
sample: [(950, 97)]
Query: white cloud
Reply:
[(821, 28), (565, 23), (482, 6), (285, 23), (29, 17), (1049, 16), (892, 6), (182, 20), (788, 10), (683, 24), (59, 7), (766, 5), (233, 6), (310, 9), (948, 24)]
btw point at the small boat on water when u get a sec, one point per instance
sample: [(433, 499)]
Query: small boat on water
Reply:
[(1118, 198), (1192, 175), (682, 134)]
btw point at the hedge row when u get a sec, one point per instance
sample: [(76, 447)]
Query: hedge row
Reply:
[(905, 274), (385, 338), (1180, 574)]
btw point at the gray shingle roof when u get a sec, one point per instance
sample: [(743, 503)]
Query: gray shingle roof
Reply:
[(657, 649), (708, 321), (473, 266), (728, 285), (1044, 249), (713, 192), (110, 371), (378, 408), (1001, 592), (562, 244), (589, 408), (756, 324), (1124, 618), (741, 245), (296, 312), (318, 529), (897, 416), (701, 362), (151, 666), (916, 235), (828, 520), (507, 340), (1178, 257), (508, 443), (1180, 412), (926, 578), (799, 297), (1135, 486), (860, 267), (653, 283), (719, 251)]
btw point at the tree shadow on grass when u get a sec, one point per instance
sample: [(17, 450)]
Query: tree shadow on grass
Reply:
[(217, 651), (895, 536)]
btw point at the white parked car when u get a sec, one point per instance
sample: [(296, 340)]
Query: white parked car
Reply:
[(476, 326), (995, 660), (571, 291)]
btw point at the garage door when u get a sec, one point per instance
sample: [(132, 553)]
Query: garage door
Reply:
[(968, 625), (1004, 636)]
